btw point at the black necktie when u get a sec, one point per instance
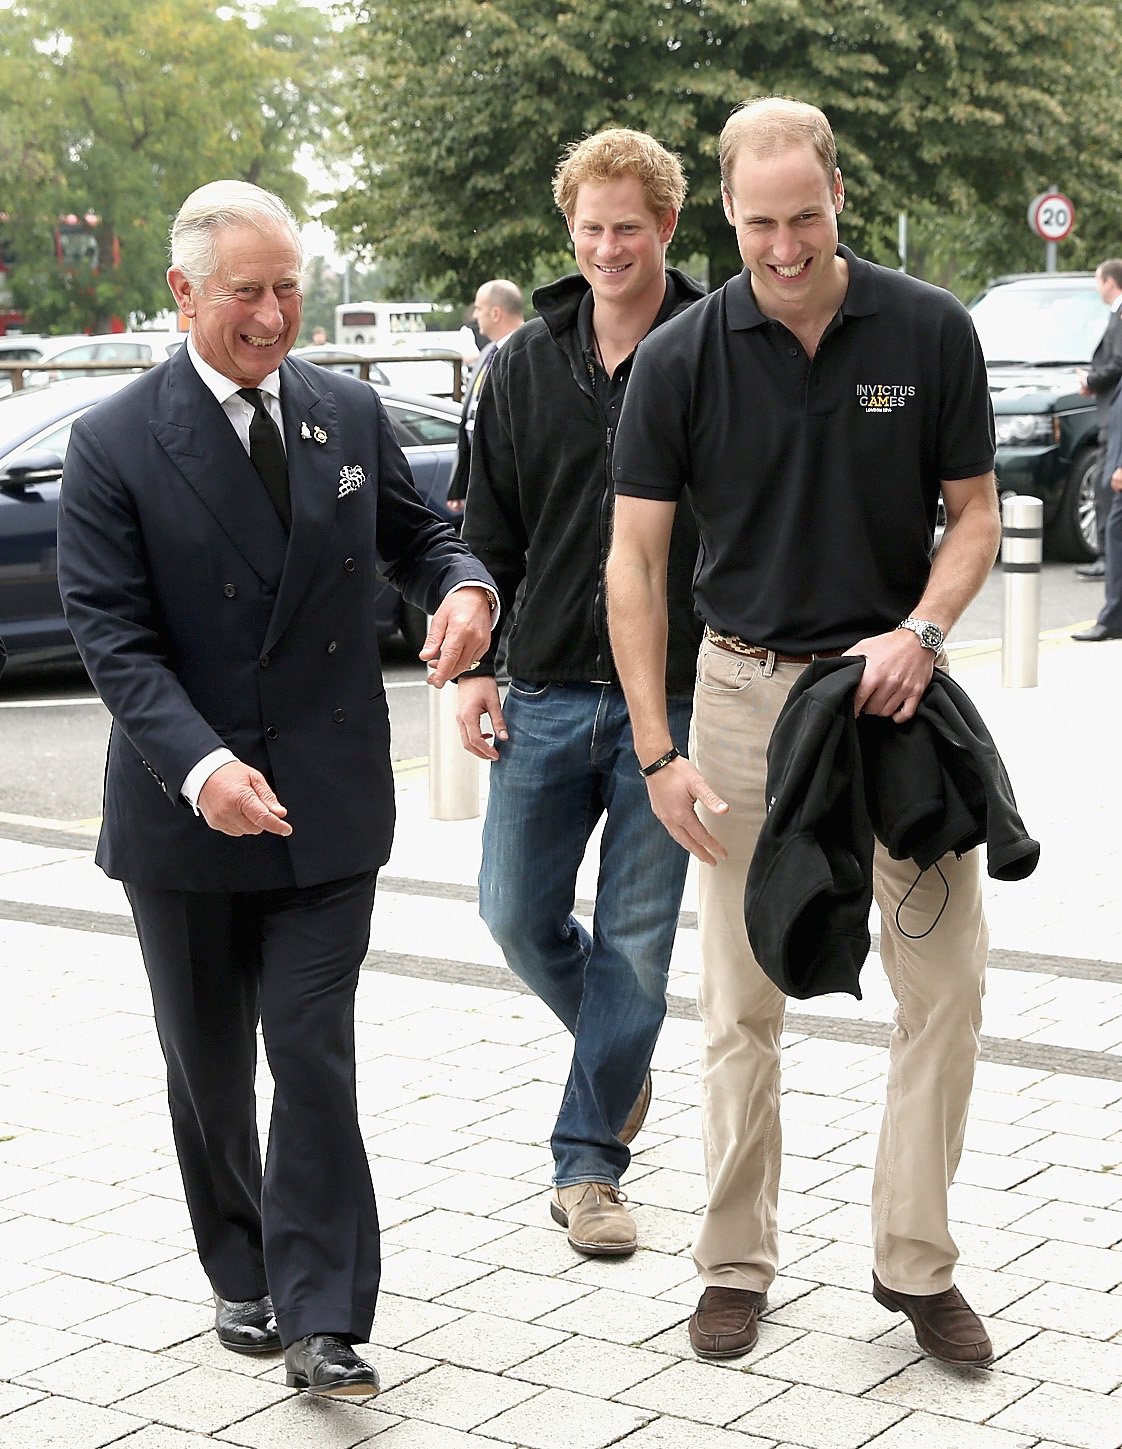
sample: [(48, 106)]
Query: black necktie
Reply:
[(266, 453)]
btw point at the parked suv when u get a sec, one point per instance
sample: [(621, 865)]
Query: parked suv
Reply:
[(1037, 330)]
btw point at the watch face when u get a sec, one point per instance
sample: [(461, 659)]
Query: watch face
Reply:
[(931, 636)]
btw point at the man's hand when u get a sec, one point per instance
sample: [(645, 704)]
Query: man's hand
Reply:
[(1083, 388), (479, 700), (454, 505), (674, 790), (897, 671), (459, 634), (1116, 480), (238, 800)]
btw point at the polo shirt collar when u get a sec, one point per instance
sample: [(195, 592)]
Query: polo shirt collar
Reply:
[(860, 298), (670, 300)]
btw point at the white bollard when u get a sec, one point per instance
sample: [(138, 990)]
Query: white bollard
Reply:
[(1022, 548), (453, 773)]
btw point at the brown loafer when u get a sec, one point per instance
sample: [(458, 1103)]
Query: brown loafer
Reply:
[(945, 1325), (726, 1322), (638, 1114)]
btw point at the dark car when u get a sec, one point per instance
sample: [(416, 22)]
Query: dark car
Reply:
[(34, 434), (1037, 331)]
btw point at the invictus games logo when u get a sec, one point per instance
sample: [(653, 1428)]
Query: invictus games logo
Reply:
[(883, 397)]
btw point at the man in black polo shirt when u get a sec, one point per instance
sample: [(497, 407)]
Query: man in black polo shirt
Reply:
[(815, 406)]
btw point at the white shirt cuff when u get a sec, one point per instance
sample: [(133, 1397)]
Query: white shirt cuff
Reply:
[(487, 589), (192, 787)]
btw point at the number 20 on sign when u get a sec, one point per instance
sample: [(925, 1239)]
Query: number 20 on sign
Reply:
[(1051, 215)]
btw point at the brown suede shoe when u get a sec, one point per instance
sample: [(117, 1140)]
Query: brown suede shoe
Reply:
[(945, 1325), (596, 1218), (726, 1322), (638, 1114)]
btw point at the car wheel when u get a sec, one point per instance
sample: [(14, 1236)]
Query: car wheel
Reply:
[(1074, 534), (414, 627)]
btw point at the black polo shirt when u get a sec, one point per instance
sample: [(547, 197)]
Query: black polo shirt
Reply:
[(814, 481)]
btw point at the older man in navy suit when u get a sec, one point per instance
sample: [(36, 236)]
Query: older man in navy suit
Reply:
[(221, 523)]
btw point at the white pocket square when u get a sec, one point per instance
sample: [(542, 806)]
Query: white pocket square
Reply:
[(351, 479)]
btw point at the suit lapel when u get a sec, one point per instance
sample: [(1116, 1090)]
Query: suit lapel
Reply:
[(200, 441), (313, 480)]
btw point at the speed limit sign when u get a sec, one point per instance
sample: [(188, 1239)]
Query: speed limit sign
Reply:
[(1051, 215)]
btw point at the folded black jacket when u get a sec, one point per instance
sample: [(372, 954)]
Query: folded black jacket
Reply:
[(933, 785)]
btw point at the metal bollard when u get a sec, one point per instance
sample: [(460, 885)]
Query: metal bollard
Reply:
[(453, 773), (1022, 534)]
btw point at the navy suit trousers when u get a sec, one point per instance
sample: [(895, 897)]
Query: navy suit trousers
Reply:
[(307, 1230), (1111, 614)]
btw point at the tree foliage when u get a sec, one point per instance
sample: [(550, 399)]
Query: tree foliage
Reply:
[(119, 108), (957, 109)]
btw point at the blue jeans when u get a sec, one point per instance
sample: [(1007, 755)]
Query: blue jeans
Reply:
[(568, 761)]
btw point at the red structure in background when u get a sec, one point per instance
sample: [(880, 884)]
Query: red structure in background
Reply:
[(76, 243), (10, 320)]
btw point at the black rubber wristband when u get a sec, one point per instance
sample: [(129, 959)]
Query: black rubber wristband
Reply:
[(660, 763)]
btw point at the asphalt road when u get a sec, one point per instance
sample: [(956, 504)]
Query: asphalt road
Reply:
[(53, 729)]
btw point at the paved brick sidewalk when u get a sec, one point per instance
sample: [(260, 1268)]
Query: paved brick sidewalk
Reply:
[(491, 1331)]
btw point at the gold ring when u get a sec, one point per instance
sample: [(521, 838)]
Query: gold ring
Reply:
[(476, 665)]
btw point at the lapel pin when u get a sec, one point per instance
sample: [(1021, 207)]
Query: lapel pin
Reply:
[(305, 431), (319, 435)]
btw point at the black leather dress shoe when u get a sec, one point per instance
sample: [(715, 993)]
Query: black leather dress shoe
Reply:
[(248, 1327), (1096, 570), (1095, 634), (324, 1364)]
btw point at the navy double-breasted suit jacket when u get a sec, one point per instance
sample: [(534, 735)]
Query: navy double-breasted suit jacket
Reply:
[(203, 624)]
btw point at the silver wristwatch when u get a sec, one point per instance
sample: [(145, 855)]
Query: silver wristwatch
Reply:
[(928, 634)]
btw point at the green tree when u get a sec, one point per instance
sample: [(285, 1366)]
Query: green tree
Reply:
[(123, 107), (460, 108), (323, 291)]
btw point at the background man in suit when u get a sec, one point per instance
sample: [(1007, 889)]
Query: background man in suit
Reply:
[(1100, 381), (498, 314), (1108, 625), (220, 526)]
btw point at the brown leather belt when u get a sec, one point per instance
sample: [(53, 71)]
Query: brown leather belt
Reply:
[(735, 645)]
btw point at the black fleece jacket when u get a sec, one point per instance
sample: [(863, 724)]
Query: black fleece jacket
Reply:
[(539, 506), (924, 788)]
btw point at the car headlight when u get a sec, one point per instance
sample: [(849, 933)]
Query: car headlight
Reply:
[(1024, 428)]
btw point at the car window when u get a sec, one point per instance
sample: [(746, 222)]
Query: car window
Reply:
[(77, 354), (19, 354), (54, 440), (124, 352), (1039, 324), (406, 322), (415, 427)]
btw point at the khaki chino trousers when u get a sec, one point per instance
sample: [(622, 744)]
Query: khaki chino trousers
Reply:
[(937, 980)]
